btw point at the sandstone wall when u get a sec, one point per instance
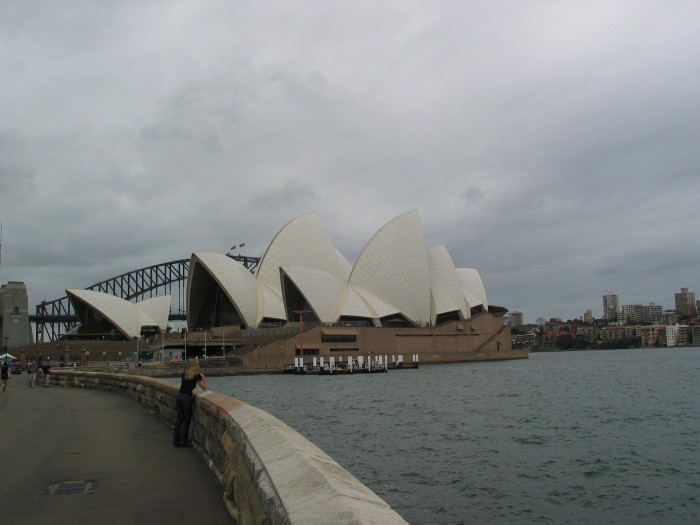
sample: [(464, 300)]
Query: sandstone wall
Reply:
[(269, 473)]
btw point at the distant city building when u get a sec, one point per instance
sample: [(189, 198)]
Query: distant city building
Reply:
[(514, 319), (695, 335), (685, 302), (649, 335), (556, 325), (672, 335), (652, 313), (525, 339), (611, 306), (632, 313), (588, 333), (588, 316), (669, 317), (14, 316)]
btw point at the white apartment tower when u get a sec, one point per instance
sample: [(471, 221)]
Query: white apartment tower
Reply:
[(611, 306)]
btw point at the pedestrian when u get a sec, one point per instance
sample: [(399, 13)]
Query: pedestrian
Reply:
[(4, 375), (46, 368), (191, 377), (31, 370)]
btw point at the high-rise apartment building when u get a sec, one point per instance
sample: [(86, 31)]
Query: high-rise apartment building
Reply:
[(685, 302), (611, 306), (652, 313), (515, 319), (588, 316), (632, 313)]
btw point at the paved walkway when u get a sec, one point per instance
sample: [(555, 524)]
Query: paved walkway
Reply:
[(53, 435)]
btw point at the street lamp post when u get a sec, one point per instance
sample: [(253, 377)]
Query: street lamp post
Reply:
[(301, 328)]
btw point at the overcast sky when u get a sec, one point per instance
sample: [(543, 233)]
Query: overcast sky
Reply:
[(552, 145)]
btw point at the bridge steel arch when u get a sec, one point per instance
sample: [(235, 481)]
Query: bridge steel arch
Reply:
[(54, 318)]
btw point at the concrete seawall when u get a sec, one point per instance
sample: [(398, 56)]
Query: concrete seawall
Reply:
[(269, 473)]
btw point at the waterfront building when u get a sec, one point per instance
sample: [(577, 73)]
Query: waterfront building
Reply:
[(611, 306), (669, 317), (632, 313), (695, 335), (588, 316), (514, 319), (555, 324), (588, 333), (396, 299), (15, 329), (649, 334), (652, 313), (614, 332), (677, 335), (527, 339), (685, 303)]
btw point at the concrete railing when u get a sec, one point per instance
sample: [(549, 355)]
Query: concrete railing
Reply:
[(269, 473)]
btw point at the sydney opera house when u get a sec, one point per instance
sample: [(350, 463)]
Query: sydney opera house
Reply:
[(399, 298)]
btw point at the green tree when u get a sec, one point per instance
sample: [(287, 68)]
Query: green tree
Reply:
[(566, 342)]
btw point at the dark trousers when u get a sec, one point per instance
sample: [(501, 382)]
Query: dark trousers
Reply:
[(184, 405)]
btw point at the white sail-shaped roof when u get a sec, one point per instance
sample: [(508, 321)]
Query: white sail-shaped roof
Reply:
[(302, 242), (322, 290), (394, 266), (154, 311), (235, 281), (273, 305), (378, 305), (473, 287), (125, 316), (354, 305), (445, 284)]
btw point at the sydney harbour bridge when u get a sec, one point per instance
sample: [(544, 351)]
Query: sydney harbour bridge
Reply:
[(57, 317)]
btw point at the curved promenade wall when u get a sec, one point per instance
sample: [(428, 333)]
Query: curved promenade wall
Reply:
[(269, 473)]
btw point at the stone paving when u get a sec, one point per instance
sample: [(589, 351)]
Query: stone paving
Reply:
[(84, 456)]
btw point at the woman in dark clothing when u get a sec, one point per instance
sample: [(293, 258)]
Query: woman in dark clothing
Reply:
[(185, 402), (5, 375)]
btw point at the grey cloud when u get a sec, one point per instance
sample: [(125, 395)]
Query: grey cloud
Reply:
[(554, 149)]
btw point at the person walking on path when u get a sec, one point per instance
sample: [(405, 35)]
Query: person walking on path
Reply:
[(191, 377), (46, 368), (4, 375), (31, 371)]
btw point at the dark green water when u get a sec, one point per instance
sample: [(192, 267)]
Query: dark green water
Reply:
[(575, 437)]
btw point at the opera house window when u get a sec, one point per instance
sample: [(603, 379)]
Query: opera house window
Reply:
[(338, 338)]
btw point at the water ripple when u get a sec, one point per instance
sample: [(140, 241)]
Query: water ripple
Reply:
[(580, 437)]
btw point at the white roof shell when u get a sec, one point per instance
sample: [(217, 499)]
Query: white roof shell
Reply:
[(127, 317), (154, 311), (235, 280), (394, 266), (322, 290), (473, 287), (445, 284)]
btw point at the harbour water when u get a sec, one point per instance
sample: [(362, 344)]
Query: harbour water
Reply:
[(573, 437)]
